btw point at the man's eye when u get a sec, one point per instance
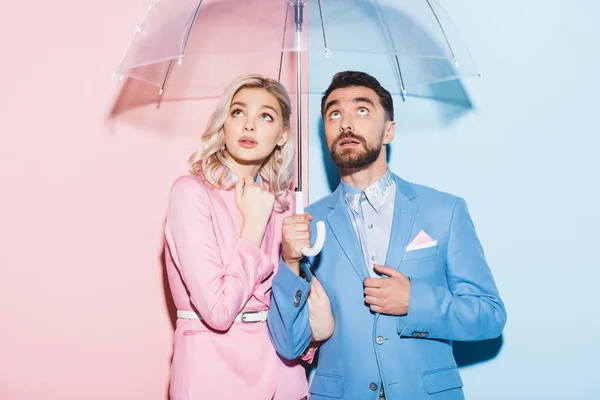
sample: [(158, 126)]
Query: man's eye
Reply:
[(334, 115), (363, 111)]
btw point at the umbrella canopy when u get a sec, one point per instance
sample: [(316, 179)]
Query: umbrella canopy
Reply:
[(195, 48), (412, 42)]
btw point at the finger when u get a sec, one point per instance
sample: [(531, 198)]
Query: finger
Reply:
[(239, 191), (294, 219), (377, 309), (303, 244), (373, 282), (318, 288), (294, 240), (309, 299), (382, 269), (294, 234), (373, 301), (303, 236), (372, 291), (302, 227), (317, 284), (308, 216)]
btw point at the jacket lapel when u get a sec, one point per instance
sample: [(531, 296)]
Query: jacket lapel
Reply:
[(405, 211), (341, 226)]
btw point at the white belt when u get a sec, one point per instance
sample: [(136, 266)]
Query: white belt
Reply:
[(248, 316)]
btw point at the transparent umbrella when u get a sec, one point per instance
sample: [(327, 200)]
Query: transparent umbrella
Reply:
[(197, 47)]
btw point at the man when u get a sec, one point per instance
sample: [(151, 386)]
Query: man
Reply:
[(402, 267)]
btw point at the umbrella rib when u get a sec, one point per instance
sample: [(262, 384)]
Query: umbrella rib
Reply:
[(162, 86), (185, 41), (387, 28), (323, 27), (287, 10), (443, 31), (137, 30), (189, 31)]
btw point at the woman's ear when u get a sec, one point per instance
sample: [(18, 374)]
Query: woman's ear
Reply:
[(285, 135)]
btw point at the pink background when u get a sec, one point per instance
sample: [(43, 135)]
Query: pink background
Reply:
[(82, 202)]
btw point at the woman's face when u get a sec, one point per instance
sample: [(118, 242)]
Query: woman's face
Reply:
[(254, 126)]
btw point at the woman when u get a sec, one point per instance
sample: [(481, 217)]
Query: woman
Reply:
[(223, 235)]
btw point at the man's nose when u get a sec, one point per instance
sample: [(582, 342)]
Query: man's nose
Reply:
[(345, 123)]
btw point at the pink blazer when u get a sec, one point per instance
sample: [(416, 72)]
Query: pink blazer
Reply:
[(214, 272)]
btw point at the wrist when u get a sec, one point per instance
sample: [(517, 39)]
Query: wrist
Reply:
[(294, 265), (253, 234)]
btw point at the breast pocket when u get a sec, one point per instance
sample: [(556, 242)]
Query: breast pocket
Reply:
[(418, 254), (422, 263)]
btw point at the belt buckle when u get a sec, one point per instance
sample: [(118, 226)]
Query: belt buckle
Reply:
[(243, 317)]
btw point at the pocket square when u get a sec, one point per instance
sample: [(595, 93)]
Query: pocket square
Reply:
[(421, 241)]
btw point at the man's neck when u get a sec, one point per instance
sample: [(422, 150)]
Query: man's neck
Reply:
[(363, 178)]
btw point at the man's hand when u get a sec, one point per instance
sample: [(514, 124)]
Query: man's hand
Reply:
[(319, 312), (388, 295), (295, 236)]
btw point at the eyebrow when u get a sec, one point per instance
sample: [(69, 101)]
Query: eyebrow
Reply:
[(241, 104), (354, 100)]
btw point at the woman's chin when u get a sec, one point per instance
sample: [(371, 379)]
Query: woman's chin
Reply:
[(248, 157)]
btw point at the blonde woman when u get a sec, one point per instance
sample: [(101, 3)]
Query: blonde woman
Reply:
[(223, 237)]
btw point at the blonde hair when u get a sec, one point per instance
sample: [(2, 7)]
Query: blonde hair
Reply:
[(277, 170)]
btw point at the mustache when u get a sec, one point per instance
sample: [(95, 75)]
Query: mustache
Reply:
[(348, 135)]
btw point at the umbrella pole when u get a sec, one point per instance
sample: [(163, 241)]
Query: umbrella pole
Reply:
[(298, 18), (320, 237)]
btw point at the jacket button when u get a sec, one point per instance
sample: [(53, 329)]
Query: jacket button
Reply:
[(379, 340), (373, 386), (297, 298), (416, 334)]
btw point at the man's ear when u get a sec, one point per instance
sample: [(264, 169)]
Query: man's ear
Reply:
[(389, 132)]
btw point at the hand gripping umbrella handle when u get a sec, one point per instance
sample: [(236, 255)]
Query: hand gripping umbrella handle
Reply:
[(320, 240)]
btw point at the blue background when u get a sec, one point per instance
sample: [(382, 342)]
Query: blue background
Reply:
[(522, 148)]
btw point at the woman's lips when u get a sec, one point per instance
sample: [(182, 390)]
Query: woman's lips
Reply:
[(247, 142)]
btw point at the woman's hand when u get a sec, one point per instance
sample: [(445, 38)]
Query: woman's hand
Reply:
[(256, 206), (320, 316)]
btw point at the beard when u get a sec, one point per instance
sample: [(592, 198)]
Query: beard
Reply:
[(354, 158)]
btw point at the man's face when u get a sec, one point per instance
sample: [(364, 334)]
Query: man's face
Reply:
[(356, 127)]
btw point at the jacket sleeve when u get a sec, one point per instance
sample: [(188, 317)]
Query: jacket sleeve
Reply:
[(470, 307), (218, 290), (288, 319)]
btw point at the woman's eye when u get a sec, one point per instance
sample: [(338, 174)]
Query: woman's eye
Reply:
[(237, 113), (267, 117)]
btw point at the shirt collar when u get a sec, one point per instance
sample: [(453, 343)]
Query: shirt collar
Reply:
[(375, 194), (234, 179)]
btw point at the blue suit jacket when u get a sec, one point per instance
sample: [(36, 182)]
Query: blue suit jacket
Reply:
[(452, 297)]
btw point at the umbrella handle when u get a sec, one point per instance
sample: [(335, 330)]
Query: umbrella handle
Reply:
[(320, 239)]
